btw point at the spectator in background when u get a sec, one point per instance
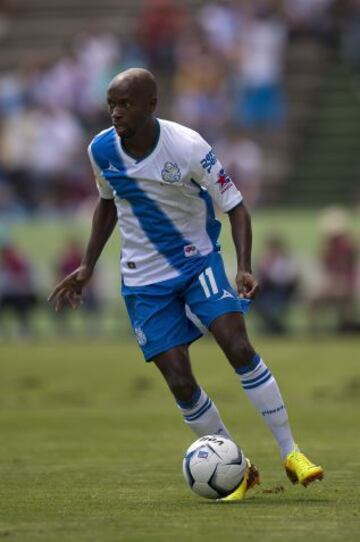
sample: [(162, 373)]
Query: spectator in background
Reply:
[(13, 93), (59, 85), (200, 86), (278, 275), (221, 22), (99, 55), (17, 288), (338, 274), (16, 143), (57, 147), (43, 152), (159, 27), (77, 79), (243, 160), (259, 94)]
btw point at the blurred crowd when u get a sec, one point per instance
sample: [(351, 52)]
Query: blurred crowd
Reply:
[(221, 68), (22, 297), (329, 292)]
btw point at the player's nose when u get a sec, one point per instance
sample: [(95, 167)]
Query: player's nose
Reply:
[(117, 117), (118, 113)]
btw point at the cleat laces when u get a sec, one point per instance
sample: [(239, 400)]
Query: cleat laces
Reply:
[(302, 462)]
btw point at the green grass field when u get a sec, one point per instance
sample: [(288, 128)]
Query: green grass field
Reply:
[(92, 445)]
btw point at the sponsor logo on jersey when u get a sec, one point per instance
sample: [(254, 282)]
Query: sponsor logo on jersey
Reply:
[(190, 250), (224, 181), (140, 336), (209, 161), (170, 173)]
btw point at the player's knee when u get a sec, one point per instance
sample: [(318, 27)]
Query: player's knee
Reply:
[(181, 386), (240, 352)]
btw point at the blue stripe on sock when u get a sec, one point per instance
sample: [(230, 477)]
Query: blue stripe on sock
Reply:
[(192, 419), (252, 365), (199, 412), (259, 383), (253, 380), (192, 402)]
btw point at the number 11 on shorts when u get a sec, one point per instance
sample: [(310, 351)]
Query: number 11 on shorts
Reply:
[(208, 282)]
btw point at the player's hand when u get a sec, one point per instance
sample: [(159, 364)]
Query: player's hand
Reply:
[(247, 285), (69, 290)]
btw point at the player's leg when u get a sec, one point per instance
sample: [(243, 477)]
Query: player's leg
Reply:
[(257, 381), (215, 303), (212, 299), (263, 391), (199, 411), (164, 332)]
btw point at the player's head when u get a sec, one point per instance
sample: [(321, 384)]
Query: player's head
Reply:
[(132, 98)]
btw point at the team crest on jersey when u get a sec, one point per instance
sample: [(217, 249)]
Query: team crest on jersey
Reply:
[(170, 173), (224, 181), (140, 336)]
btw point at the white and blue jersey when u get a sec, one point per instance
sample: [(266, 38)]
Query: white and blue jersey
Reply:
[(170, 262), (164, 201)]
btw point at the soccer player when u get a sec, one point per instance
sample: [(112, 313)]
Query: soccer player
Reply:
[(157, 179)]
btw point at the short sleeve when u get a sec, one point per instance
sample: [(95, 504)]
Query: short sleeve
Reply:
[(105, 190), (209, 173)]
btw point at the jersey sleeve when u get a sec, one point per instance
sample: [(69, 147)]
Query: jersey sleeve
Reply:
[(209, 173), (104, 189)]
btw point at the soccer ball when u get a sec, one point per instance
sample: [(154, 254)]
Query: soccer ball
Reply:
[(214, 466)]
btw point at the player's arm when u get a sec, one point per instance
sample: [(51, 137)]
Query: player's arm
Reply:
[(209, 173), (240, 221), (71, 287)]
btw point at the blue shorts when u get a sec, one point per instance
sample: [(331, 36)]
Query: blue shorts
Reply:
[(159, 312)]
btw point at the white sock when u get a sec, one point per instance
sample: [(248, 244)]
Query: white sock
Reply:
[(261, 388), (202, 416)]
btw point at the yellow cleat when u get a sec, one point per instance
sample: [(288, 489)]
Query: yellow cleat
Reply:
[(300, 469), (251, 479)]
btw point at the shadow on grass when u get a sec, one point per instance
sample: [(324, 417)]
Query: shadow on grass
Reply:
[(253, 502), (273, 500)]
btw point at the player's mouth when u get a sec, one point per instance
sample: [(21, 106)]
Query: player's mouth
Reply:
[(121, 129)]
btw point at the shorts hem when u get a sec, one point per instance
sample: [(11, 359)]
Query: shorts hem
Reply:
[(149, 357), (213, 317)]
